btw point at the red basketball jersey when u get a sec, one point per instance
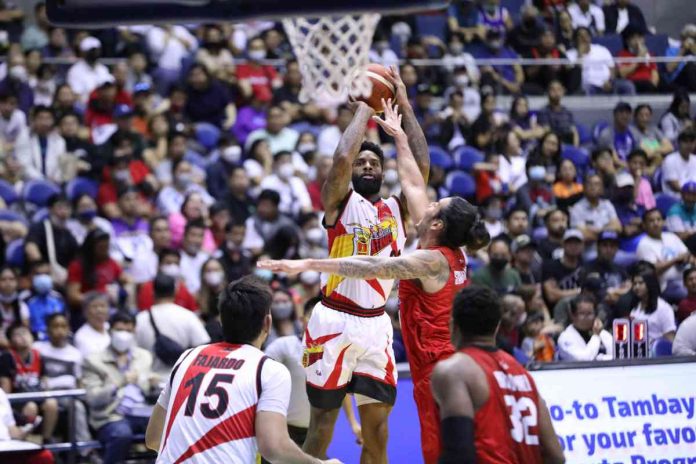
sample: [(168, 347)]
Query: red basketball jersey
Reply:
[(506, 426), (425, 316)]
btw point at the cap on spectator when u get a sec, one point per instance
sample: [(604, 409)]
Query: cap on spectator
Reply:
[(573, 234), (105, 80), (624, 179), (689, 30), (689, 187), (607, 235), (57, 198), (141, 87), (521, 242), (687, 135), (123, 111), (622, 106), (89, 43)]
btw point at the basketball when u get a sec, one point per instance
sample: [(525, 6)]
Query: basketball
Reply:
[(381, 87)]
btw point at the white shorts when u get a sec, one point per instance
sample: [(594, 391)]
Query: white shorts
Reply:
[(347, 353)]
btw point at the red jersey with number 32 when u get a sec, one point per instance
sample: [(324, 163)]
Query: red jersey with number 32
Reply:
[(212, 399), (507, 425)]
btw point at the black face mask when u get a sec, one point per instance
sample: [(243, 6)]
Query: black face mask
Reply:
[(92, 55), (367, 187), (529, 22), (213, 45), (498, 264), (623, 197)]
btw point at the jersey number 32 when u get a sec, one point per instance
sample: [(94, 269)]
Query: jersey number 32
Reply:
[(522, 423)]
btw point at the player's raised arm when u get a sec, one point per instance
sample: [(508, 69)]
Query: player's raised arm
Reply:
[(412, 182), (456, 411), (414, 132), (337, 183), (417, 265)]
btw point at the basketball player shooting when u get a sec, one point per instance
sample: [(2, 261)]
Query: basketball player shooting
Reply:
[(490, 407), (430, 276)]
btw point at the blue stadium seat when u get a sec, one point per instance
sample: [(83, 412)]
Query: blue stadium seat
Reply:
[(460, 183), (539, 233), (612, 41), (584, 134), (81, 185), (12, 216), (597, 129), (207, 135), (625, 259), (37, 192), (656, 180), (578, 156), (665, 202), (439, 157), (40, 215), (301, 127), (8, 193), (657, 43), (514, 7), (465, 157), (14, 254), (432, 24), (520, 356), (662, 347)]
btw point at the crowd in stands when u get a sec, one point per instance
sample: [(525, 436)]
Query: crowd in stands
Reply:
[(131, 193)]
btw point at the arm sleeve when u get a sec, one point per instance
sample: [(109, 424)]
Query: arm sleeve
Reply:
[(275, 388), (668, 171), (667, 320), (576, 352), (645, 253)]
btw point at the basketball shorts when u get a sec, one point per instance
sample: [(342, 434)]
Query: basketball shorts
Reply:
[(348, 354)]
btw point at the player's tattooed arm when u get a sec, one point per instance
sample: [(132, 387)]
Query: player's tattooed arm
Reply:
[(337, 184)]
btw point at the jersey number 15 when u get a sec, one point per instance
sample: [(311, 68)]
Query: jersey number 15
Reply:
[(215, 388)]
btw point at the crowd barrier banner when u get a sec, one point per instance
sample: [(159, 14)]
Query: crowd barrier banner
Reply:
[(622, 414)]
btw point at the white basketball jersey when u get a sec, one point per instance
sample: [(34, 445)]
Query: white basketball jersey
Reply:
[(212, 399), (363, 228)]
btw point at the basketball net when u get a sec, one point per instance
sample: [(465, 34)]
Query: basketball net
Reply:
[(331, 52)]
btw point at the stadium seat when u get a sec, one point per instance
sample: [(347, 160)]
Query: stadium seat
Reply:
[(612, 41), (657, 44), (625, 259), (597, 129), (461, 184), (12, 216), (434, 24), (301, 127), (8, 193), (520, 356), (584, 134), (14, 254), (514, 7), (440, 157), (656, 180), (37, 192), (40, 215), (662, 347), (539, 233), (579, 158), (207, 135), (465, 157), (81, 185), (665, 202)]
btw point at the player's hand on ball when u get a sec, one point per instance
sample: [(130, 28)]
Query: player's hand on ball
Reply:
[(395, 78), (287, 266), (392, 119)]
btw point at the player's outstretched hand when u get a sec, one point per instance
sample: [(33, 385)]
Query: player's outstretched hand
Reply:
[(392, 119), (287, 266), (395, 78)]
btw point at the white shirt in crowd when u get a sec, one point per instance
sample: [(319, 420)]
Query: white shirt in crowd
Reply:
[(572, 347), (191, 269), (89, 340), (653, 250), (685, 339), (674, 167), (36, 166), (513, 171), (84, 78), (294, 196), (170, 199), (328, 139), (596, 65), (289, 351), (592, 18), (285, 140), (12, 127), (177, 323), (170, 47), (660, 321), (6, 417), (65, 360), (258, 385)]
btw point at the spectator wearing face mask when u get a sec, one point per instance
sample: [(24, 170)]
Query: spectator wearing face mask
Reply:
[(171, 320), (41, 299), (93, 336), (253, 77), (536, 196), (285, 317), (86, 219), (213, 283), (513, 316), (526, 34), (498, 275), (117, 380), (217, 174), (86, 74), (294, 198), (585, 339), (645, 75), (493, 215), (172, 196), (169, 264)]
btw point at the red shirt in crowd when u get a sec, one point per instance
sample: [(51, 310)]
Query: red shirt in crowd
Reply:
[(643, 71), (686, 307), (107, 272), (146, 297), (260, 77), (107, 189)]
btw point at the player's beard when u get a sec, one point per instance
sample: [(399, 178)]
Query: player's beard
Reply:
[(367, 187)]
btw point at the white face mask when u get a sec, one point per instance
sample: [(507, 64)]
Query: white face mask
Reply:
[(286, 171), (172, 270), (18, 72), (214, 278), (232, 154), (391, 176), (121, 340), (309, 277), (281, 311), (306, 147), (461, 80), (314, 235), (257, 54)]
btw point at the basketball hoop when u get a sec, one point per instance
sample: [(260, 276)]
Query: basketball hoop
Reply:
[(331, 52)]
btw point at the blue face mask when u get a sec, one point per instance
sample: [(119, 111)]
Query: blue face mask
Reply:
[(264, 274), (537, 173), (42, 283), (87, 215)]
